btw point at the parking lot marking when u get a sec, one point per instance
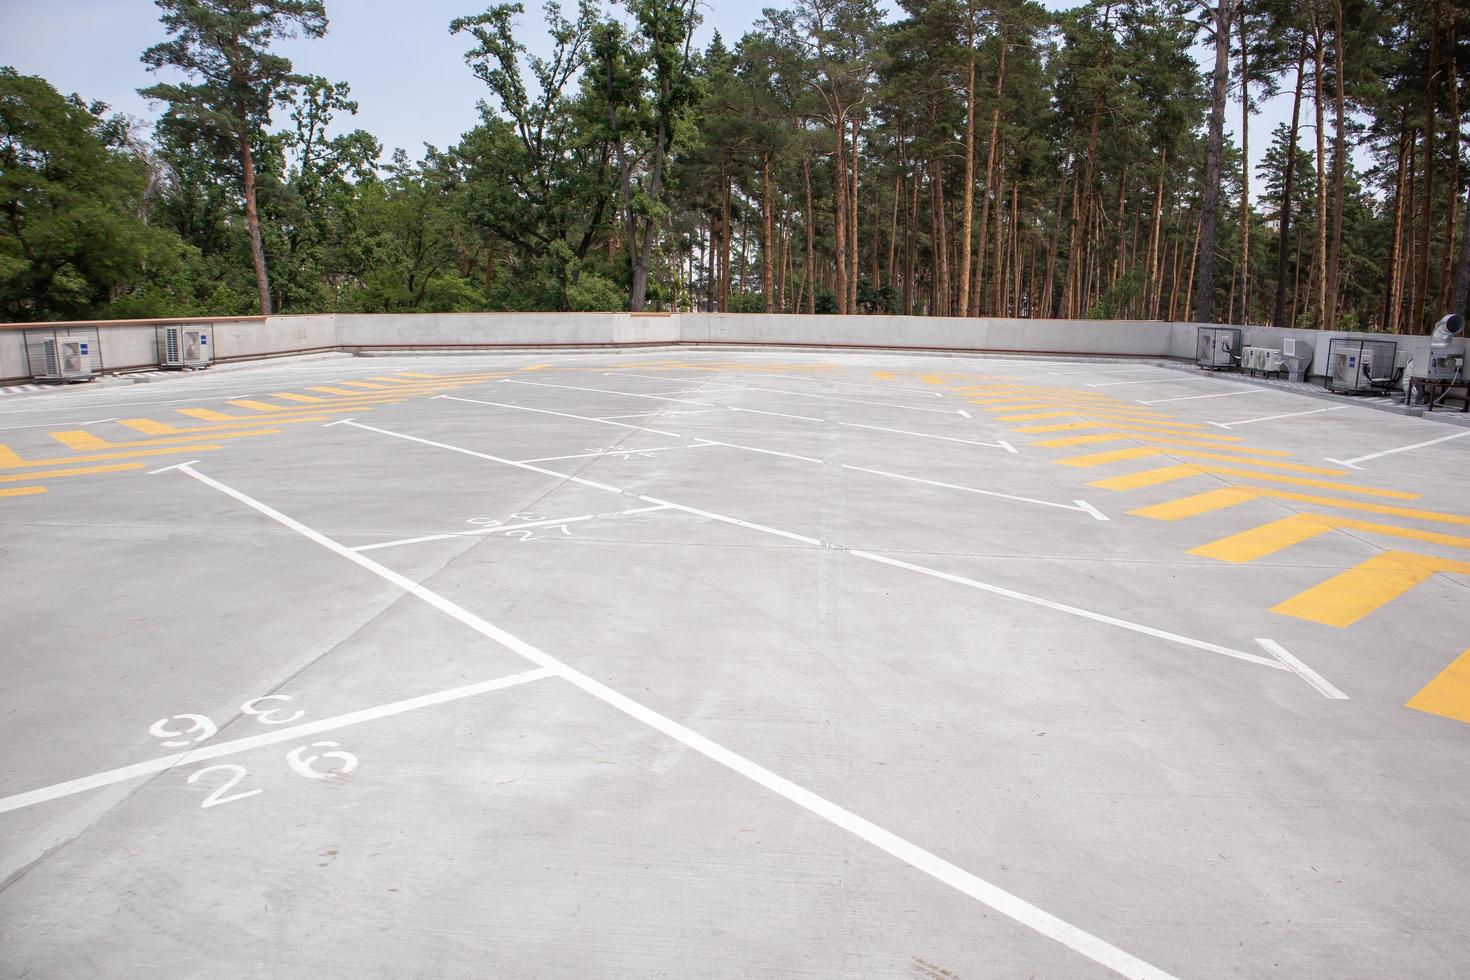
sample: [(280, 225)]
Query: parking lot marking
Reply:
[(1183, 471), (1145, 381), (218, 750), (1170, 429), (608, 391), (1272, 418), (8, 456), (1306, 673), (906, 851), (524, 526), (1076, 505), (1401, 449), (103, 457), (182, 438), (21, 491), (1349, 596), (1190, 398), (611, 452), (1267, 539), (1161, 440), (76, 471), (259, 406), (999, 444), (1213, 500), (839, 398), (1141, 452), (1448, 695), (807, 539)]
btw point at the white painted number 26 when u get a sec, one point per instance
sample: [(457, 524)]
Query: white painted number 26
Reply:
[(302, 764)]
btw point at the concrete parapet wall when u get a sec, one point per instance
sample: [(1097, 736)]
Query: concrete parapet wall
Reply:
[(130, 345)]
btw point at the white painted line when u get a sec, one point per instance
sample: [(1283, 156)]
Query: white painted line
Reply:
[(1400, 449), (1272, 418), (988, 894), (565, 415), (219, 749), (805, 539), (833, 398), (480, 531), (1084, 508), (165, 469), (964, 413), (1103, 367), (606, 391), (650, 415), (1073, 610), (1306, 673), (1007, 446), (100, 421), (1190, 398), (1145, 381), (880, 428), (607, 452), (785, 377)]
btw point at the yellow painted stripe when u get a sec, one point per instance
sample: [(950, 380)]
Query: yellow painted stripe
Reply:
[(246, 421), (883, 375), (334, 391), (1448, 695), (293, 397), (365, 384), (1161, 440), (542, 367), (1278, 535), (1214, 500), (8, 456), (99, 457), (1140, 452), (391, 380), (78, 471), (154, 428), (1092, 413), (1349, 596), (1176, 429), (186, 437), (1183, 471), (259, 406), (209, 415), (22, 491), (79, 439)]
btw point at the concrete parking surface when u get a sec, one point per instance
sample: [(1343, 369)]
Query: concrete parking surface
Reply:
[(731, 664)]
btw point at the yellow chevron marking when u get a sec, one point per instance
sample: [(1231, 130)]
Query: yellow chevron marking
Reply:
[(1349, 596), (542, 367), (8, 456), (182, 438), (1163, 440), (1278, 535), (366, 384), (293, 397), (1183, 471), (391, 380), (22, 491), (1180, 429), (78, 471), (1091, 413), (335, 391), (99, 457), (883, 375), (1139, 452), (1448, 695), (153, 428), (1214, 500), (79, 439), (209, 415), (411, 374), (256, 406)]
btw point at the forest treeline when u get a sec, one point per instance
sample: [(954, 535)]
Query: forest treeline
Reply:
[(963, 158)]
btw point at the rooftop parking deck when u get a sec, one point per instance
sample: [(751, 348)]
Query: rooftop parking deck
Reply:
[(729, 664)]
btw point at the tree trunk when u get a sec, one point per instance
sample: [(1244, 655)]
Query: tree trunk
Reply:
[(839, 209), (967, 211), (1000, 81), (1395, 283), (852, 223), (1417, 318), (252, 223), (1245, 174), (807, 282), (1460, 297), (768, 259), (1452, 198), (1151, 279), (1319, 250), (1081, 217), (939, 243), (1204, 275), (1278, 314), (1339, 170)]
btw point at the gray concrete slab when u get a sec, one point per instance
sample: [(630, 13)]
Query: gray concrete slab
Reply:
[(831, 681)]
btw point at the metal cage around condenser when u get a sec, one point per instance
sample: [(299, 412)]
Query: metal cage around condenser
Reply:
[(63, 354), (1360, 367), (1218, 348)]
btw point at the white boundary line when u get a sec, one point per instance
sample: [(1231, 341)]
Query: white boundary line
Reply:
[(831, 398), (1076, 505), (481, 531), (604, 452), (1189, 398), (1389, 452), (784, 377), (607, 391), (982, 891), (999, 444), (1272, 418), (1162, 379), (805, 539), (217, 750), (1302, 670)]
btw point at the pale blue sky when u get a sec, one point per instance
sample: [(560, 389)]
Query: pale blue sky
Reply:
[(405, 68)]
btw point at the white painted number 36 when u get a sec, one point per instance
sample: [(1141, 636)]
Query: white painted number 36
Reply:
[(303, 764)]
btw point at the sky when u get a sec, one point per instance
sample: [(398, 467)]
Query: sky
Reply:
[(406, 71)]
